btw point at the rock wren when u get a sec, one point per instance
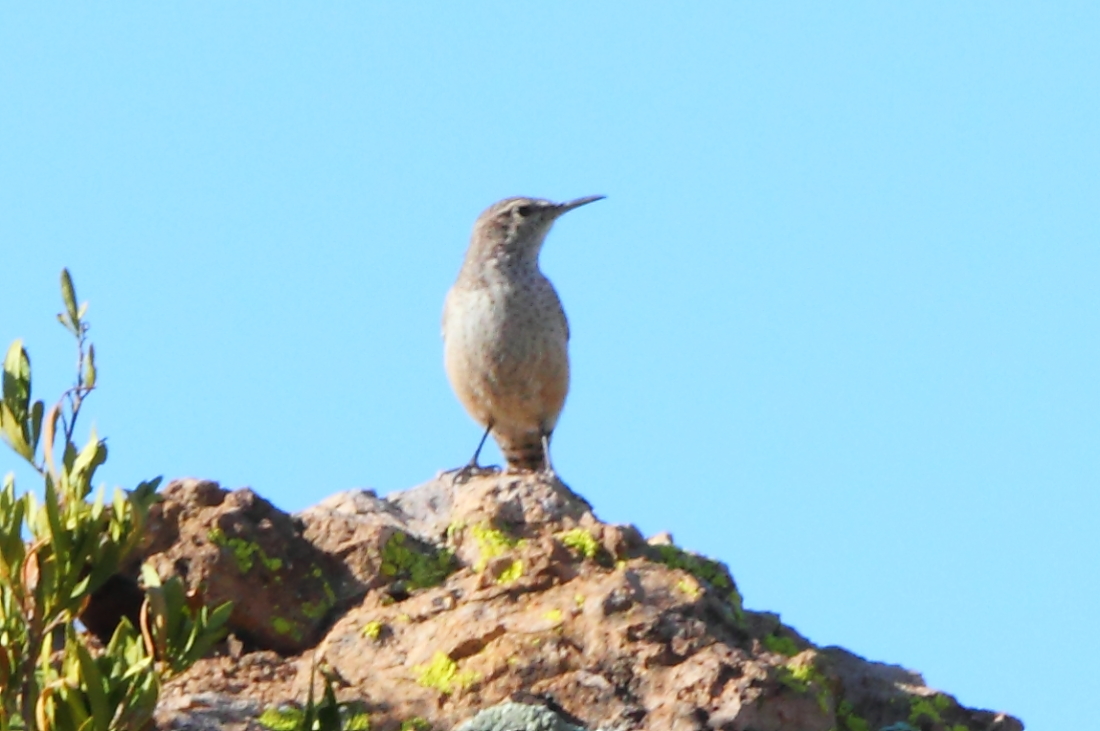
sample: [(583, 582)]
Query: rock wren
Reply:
[(505, 336)]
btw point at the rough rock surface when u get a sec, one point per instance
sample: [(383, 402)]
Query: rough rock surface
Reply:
[(473, 605), (237, 546)]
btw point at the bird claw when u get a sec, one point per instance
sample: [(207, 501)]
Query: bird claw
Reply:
[(465, 473)]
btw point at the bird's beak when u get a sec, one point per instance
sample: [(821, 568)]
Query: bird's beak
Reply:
[(566, 207)]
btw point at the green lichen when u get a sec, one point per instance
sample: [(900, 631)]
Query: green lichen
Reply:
[(704, 569), (781, 645), (848, 720), (373, 629), (354, 718), (327, 714), (443, 675), (329, 593), (245, 553), (417, 568), (929, 707), (804, 677), (581, 541), (416, 724), (804, 673), (709, 571), (348, 717), (492, 543), (287, 718), (316, 610), (285, 627), (787, 678)]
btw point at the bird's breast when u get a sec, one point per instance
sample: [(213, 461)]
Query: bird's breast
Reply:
[(505, 323)]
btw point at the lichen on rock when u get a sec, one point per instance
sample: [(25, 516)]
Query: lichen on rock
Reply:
[(504, 604), (510, 716)]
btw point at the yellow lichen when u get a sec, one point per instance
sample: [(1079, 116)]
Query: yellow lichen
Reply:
[(510, 574), (690, 587), (442, 674), (581, 541), (491, 543)]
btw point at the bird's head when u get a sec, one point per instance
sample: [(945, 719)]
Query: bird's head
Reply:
[(513, 229)]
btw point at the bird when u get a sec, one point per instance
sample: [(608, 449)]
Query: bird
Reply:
[(505, 334)]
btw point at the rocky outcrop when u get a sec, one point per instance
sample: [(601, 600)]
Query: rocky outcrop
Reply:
[(500, 603)]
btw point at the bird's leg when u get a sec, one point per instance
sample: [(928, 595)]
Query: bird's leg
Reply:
[(471, 468), (473, 465), (547, 467)]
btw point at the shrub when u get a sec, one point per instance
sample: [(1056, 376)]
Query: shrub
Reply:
[(55, 552)]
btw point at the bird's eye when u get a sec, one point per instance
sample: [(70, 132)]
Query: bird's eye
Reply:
[(525, 210)]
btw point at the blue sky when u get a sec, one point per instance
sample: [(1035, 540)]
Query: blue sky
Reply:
[(836, 323)]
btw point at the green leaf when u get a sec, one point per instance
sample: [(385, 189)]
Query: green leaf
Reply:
[(12, 432), (97, 504), (89, 368), (80, 589), (139, 704), (118, 504), (149, 576), (144, 492), (12, 547), (94, 684), (17, 380), (208, 631), (68, 294), (68, 455), (158, 610), (70, 713), (140, 663), (64, 320), (17, 396), (328, 713), (37, 412), (219, 616), (59, 537), (104, 566), (84, 466)]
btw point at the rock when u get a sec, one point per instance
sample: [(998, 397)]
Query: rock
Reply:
[(355, 528), (509, 716), (235, 546), (427, 506), (504, 603)]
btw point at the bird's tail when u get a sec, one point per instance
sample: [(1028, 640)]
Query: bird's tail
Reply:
[(523, 453)]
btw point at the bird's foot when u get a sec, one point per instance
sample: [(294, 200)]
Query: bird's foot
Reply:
[(465, 473)]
